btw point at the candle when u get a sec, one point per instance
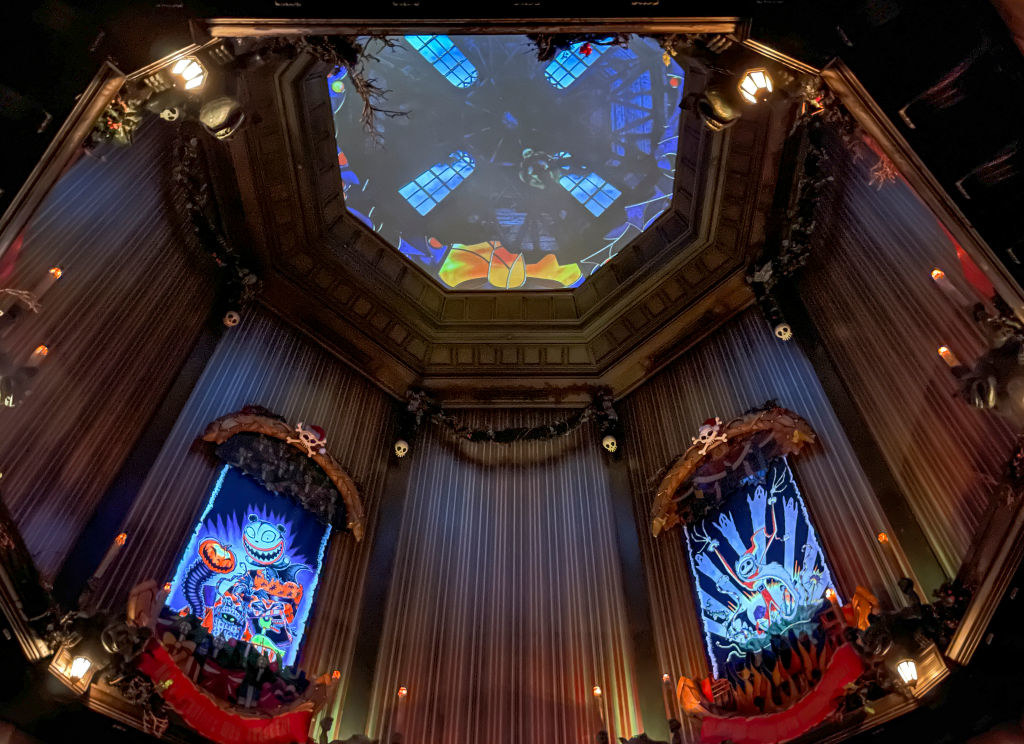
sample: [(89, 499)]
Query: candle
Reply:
[(943, 283), (948, 357), (666, 694), (111, 552), (599, 705), (38, 356), (403, 693)]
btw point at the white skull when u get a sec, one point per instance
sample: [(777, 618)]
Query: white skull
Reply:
[(783, 331), (232, 318), (610, 443), (401, 448), (708, 436), (171, 113)]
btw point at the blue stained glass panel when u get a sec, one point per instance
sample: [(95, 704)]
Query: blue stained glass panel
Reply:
[(569, 64), (446, 58), (758, 568), (592, 191)]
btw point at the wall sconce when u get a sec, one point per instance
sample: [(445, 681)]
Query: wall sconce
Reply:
[(190, 71), (756, 86), (907, 670), (80, 666)]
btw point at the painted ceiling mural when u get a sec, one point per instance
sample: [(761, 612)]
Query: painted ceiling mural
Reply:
[(508, 172)]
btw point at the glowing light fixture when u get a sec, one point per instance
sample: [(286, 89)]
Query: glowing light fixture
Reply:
[(56, 272), (121, 539), (938, 274), (907, 669), (403, 691), (79, 667), (883, 538), (948, 356), (756, 86), (190, 71), (597, 691), (666, 678)]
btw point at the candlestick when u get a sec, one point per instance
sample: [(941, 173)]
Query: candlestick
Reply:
[(948, 357), (666, 695)]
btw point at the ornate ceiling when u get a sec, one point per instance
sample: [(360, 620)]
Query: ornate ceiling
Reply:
[(388, 312)]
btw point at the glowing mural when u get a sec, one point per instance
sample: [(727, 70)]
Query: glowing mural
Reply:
[(508, 172), (758, 568), (250, 569)]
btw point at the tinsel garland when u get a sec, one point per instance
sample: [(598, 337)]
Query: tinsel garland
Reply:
[(421, 407)]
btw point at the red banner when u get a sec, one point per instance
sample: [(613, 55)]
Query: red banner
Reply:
[(810, 710), (208, 717)]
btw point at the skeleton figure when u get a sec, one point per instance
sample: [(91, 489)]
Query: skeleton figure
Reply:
[(312, 439), (708, 436)]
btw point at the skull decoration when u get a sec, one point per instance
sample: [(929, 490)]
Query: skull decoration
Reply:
[(783, 331), (232, 318), (401, 448), (708, 436), (312, 439), (171, 113), (610, 443)]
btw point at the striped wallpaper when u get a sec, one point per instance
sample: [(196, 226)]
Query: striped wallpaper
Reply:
[(742, 366), (882, 318), (506, 605), (119, 324), (265, 362)]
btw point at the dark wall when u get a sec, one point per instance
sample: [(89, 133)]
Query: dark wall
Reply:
[(742, 366), (265, 362), (882, 318), (119, 324), (507, 602)]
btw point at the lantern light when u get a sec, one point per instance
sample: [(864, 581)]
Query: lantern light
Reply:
[(190, 71), (883, 538), (336, 675), (79, 667), (948, 356), (938, 274), (597, 691), (56, 272), (756, 86), (666, 678), (403, 691), (907, 669)]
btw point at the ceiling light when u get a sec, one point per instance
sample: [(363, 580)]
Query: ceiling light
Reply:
[(756, 86)]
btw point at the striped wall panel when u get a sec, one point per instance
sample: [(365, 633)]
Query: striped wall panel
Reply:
[(119, 324), (882, 318), (263, 361), (506, 605), (743, 365)]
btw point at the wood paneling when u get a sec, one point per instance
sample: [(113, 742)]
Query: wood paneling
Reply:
[(263, 361), (119, 324), (743, 365), (506, 605), (882, 318)]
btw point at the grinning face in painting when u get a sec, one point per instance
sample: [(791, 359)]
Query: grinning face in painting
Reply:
[(263, 541)]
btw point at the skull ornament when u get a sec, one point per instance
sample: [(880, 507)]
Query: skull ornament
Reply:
[(783, 331), (708, 436), (171, 113), (610, 443), (312, 439), (401, 448), (232, 318)]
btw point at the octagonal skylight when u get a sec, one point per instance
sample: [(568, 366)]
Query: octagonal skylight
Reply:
[(507, 172)]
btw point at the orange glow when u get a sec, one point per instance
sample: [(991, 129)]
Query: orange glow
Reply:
[(666, 678), (883, 538), (167, 587), (41, 350), (597, 691), (938, 274), (948, 356), (403, 691), (120, 539), (830, 594), (56, 272), (335, 675)]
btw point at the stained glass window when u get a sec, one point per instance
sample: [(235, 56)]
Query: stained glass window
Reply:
[(428, 188), (592, 191), (569, 64), (758, 568), (250, 569), (446, 59)]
